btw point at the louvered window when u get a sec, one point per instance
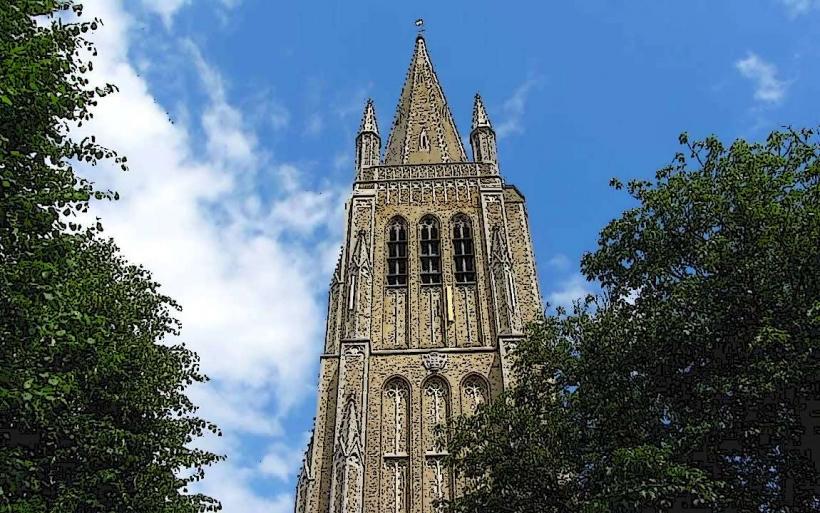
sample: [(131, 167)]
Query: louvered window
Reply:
[(463, 250), (430, 251)]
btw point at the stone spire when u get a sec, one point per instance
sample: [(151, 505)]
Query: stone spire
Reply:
[(482, 135), (480, 118), (423, 129), (368, 142), (369, 119)]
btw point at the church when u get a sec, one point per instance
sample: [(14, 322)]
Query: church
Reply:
[(435, 281)]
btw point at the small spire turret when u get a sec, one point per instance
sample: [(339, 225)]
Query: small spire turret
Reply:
[(480, 118), (482, 135), (368, 142), (369, 119)]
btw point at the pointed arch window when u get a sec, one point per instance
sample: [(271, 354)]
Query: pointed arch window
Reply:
[(397, 253), (430, 253), (424, 141), (463, 250)]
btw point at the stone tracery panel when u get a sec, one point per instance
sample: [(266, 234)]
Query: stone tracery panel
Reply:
[(395, 439), (430, 311), (395, 318), (474, 393), (435, 402)]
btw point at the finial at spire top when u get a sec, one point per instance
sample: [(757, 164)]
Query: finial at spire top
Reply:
[(420, 28)]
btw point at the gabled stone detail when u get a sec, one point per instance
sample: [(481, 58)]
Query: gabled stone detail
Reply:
[(348, 471), (359, 288), (423, 130), (335, 307), (305, 480), (336, 279), (349, 440), (361, 253), (499, 254), (506, 298)]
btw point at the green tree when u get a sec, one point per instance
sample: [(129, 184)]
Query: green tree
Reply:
[(93, 415), (690, 380)]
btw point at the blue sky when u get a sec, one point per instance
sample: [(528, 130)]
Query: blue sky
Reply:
[(239, 116)]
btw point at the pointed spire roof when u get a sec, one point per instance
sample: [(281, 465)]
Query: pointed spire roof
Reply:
[(480, 117), (423, 129), (369, 119)]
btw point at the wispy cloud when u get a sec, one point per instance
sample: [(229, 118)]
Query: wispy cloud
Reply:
[(559, 261), (768, 87), (314, 124), (167, 9), (798, 7), (512, 111)]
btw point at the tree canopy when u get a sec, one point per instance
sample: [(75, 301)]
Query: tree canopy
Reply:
[(93, 414), (690, 380)]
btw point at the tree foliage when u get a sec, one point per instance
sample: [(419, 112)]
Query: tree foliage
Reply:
[(689, 382), (93, 415)]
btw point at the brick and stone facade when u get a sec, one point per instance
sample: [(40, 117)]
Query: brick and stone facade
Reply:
[(435, 281)]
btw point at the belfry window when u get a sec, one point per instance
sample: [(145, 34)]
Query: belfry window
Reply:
[(397, 253), (463, 250), (430, 251)]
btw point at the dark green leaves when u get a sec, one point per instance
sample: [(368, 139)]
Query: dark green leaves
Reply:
[(93, 415), (687, 383)]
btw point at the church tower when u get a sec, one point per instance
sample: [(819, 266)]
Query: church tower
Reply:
[(435, 281)]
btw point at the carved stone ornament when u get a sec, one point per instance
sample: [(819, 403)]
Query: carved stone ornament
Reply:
[(356, 351), (434, 362)]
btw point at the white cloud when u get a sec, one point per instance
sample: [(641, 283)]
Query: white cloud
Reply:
[(166, 9), (231, 484), (244, 266), (768, 88), (573, 288), (281, 462), (798, 7), (513, 110)]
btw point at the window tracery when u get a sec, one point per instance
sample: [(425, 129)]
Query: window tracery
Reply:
[(475, 393), (395, 445), (435, 411), (430, 251), (463, 250), (397, 253)]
